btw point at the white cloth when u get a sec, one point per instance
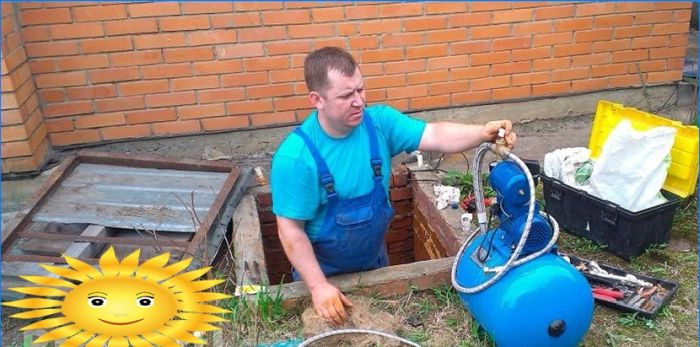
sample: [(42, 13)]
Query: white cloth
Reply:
[(445, 195), (561, 164)]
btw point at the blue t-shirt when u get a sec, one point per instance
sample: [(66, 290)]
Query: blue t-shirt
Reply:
[(296, 189)]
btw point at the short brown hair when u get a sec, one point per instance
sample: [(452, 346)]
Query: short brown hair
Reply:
[(319, 62)]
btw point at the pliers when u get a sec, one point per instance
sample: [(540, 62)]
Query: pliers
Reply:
[(606, 294)]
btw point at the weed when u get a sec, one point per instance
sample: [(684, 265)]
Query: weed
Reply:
[(465, 182), (418, 336), (445, 295)]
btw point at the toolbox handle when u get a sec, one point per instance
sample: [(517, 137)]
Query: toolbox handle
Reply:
[(609, 214), (555, 192)]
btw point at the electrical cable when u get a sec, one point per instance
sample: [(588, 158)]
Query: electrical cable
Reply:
[(321, 336)]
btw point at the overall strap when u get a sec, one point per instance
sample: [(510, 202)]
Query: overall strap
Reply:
[(375, 159), (324, 174)]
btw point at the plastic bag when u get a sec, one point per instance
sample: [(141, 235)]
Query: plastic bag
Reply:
[(632, 166), (562, 164)]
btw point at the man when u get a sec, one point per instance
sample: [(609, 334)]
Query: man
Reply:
[(330, 177)]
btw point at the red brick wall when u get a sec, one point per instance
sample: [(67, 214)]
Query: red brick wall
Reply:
[(108, 71), (24, 142), (399, 237)]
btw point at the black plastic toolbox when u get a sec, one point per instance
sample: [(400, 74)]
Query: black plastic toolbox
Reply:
[(626, 234), (625, 304)]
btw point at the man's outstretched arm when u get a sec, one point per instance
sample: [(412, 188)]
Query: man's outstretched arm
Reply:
[(448, 137), (329, 302)]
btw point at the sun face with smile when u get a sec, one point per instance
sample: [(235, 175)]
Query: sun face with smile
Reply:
[(121, 303)]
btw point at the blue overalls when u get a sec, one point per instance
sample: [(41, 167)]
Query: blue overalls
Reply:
[(352, 236)]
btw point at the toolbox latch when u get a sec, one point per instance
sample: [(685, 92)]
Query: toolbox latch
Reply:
[(609, 214)]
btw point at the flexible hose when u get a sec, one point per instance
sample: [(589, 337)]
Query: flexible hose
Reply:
[(481, 217), (356, 331)]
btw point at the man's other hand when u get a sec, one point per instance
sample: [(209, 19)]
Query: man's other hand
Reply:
[(329, 303), (491, 131)]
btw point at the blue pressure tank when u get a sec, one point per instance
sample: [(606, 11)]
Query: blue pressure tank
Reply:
[(543, 302)]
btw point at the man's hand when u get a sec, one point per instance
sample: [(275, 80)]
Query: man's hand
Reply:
[(491, 131), (330, 303)]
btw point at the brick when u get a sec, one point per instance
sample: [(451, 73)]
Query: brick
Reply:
[(273, 90), (551, 64), (201, 111), (469, 19), (664, 76), (177, 55), (248, 107), (490, 58), (634, 6), (678, 40), (675, 64), (589, 85), (449, 87), (131, 26), (292, 103), (114, 75), (61, 79), (45, 16), (272, 118), (683, 16), (574, 24), (137, 58), (380, 27), (310, 31), (221, 95), (639, 30), (531, 53), (225, 123), (171, 99), (266, 63), (471, 98), (143, 87), (51, 95), (113, 44), (511, 43), (511, 16), (334, 14), (50, 49), (593, 35), (521, 29), (402, 193), (82, 62), (238, 20), (470, 72), (35, 34), (98, 13), (91, 92), (74, 137), (262, 34), (159, 40), (617, 20), (75, 30), (511, 93), (665, 53), (242, 50), (573, 49), (489, 6), (286, 17), (551, 12), (571, 74), (362, 12), (394, 39), (646, 66), (191, 83), (346, 29), (167, 71), (510, 68), (258, 6), (181, 23), (217, 67), (670, 28), (592, 9), (385, 81), (593, 59), (650, 42), (363, 42), (450, 35), (608, 70), (613, 45), (244, 79), (400, 10), (625, 81), (405, 66), (551, 88), (673, 5), (13, 60), (490, 31), (206, 7), (151, 116), (154, 9), (490, 83), (530, 78), (125, 132), (175, 128), (99, 120), (471, 46), (447, 62), (442, 8), (630, 55), (120, 104), (382, 55), (59, 125), (212, 37)]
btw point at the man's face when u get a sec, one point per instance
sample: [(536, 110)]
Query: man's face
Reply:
[(341, 105)]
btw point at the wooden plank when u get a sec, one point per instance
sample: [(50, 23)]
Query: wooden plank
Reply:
[(87, 249), (185, 164), (247, 245)]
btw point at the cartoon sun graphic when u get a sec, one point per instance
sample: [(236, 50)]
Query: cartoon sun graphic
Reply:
[(122, 303)]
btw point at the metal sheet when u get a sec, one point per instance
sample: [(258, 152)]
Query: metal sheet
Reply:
[(132, 198)]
